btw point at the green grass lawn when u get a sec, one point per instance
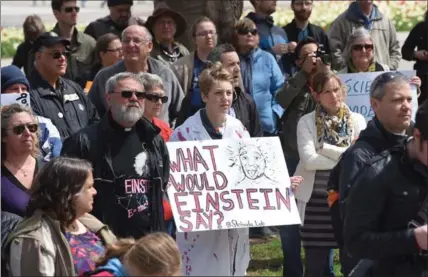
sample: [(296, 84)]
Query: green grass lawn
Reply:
[(266, 259)]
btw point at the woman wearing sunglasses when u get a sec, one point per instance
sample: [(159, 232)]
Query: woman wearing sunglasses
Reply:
[(153, 103), (210, 253), (58, 237), (19, 157)]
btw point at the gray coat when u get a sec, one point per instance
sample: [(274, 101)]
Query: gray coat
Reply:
[(171, 85)]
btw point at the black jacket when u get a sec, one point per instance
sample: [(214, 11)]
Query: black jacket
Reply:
[(314, 31), (67, 106), (243, 104), (8, 224), (92, 144), (385, 198)]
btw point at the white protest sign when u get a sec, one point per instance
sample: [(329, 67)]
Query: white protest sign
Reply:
[(358, 92), (12, 98), (229, 184)]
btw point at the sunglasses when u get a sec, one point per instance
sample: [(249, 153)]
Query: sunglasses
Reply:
[(246, 31), (359, 47), (57, 54), (71, 9), (19, 129), (156, 98), (381, 80), (128, 94)]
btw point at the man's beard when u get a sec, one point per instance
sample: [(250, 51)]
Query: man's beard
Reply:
[(126, 116), (302, 16)]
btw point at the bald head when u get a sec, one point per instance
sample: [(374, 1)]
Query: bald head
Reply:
[(138, 30)]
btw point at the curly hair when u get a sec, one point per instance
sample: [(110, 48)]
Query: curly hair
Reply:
[(7, 112), (212, 73), (156, 254), (54, 187)]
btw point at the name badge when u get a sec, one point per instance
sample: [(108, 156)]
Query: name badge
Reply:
[(71, 97)]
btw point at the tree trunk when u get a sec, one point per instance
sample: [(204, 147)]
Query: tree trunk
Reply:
[(224, 13)]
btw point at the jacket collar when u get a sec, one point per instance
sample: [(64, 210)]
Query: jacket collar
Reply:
[(309, 27), (354, 14), (261, 19), (37, 81), (77, 36)]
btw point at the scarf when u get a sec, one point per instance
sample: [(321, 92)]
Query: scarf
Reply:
[(335, 130), (353, 69), (247, 70)]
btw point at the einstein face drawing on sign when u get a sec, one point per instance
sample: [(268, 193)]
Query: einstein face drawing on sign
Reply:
[(254, 162)]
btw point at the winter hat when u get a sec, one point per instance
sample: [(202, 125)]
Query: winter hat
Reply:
[(11, 75)]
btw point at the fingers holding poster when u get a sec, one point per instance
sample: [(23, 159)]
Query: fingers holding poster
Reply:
[(227, 184)]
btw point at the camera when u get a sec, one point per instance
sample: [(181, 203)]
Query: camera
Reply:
[(321, 53)]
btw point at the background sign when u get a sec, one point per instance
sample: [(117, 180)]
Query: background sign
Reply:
[(358, 88), (229, 184), (12, 98)]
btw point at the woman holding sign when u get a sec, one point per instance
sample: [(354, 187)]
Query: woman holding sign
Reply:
[(322, 136), (219, 252)]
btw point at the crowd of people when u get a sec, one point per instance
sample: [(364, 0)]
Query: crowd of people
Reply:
[(85, 167)]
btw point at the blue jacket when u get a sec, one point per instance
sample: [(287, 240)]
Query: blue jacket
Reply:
[(262, 78)]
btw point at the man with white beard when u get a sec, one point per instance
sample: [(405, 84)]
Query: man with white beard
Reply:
[(130, 161)]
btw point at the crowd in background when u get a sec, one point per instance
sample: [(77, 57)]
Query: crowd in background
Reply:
[(85, 167)]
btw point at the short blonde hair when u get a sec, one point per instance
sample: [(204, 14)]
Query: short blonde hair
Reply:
[(7, 112), (156, 254), (213, 73)]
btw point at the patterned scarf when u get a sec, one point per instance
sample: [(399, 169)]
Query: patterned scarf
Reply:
[(335, 130), (353, 69)]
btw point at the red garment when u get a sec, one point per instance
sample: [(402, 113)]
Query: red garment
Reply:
[(166, 132)]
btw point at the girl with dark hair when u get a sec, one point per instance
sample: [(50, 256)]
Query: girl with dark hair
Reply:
[(418, 38), (58, 237), (108, 51)]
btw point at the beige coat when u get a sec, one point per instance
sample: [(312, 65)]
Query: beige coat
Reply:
[(383, 33), (37, 247), (183, 70)]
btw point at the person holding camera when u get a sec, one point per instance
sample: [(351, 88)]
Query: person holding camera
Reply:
[(387, 210), (296, 97)]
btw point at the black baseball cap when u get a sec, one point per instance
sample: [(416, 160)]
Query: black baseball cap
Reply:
[(421, 120), (49, 39)]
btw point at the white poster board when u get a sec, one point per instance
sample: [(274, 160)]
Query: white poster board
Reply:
[(229, 184), (358, 92), (12, 98)]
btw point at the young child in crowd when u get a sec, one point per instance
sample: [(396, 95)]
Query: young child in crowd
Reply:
[(156, 254)]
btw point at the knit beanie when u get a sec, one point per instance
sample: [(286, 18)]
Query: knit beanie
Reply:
[(11, 75)]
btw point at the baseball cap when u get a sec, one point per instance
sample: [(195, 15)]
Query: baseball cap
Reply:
[(49, 39), (421, 120)]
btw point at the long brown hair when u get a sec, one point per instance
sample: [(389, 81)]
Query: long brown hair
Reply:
[(156, 254)]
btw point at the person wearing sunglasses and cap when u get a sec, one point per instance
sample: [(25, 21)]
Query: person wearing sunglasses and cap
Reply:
[(130, 158), (154, 99), (13, 81), (387, 208), (59, 99)]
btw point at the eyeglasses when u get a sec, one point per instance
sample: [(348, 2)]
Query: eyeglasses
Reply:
[(156, 98), (245, 31), (115, 50), (128, 94), (71, 9), (206, 33), (381, 80), (136, 41), (19, 129), (58, 54), (359, 47)]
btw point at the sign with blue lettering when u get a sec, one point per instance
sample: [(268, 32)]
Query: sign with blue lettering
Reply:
[(358, 92)]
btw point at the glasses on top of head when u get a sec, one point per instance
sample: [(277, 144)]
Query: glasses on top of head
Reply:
[(19, 129), (128, 94), (71, 9), (156, 98), (381, 80)]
